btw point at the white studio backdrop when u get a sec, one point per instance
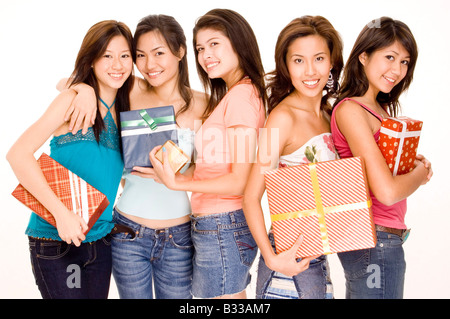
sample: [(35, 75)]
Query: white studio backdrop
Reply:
[(39, 43)]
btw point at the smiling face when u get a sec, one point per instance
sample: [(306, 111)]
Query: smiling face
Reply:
[(309, 64), (154, 59), (114, 67), (217, 56), (385, 68)]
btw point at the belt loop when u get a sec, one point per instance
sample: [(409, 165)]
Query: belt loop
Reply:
[(233, 218), (140, 232)]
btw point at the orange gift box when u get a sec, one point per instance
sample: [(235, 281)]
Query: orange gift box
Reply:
[(399, 139), (327, 202), (77, 195)]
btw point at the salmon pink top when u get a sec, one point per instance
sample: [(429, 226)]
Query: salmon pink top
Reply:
[(388, 216), (241, 106)]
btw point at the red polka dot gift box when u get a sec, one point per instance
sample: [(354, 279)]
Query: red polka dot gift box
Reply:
[(399, 139), (75, 193), (328, 203)]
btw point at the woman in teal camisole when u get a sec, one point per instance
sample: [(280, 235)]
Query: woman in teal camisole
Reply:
[(66, 262), (154, 260)]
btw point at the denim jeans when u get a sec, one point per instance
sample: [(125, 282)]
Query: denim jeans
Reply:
[(377, 273), (313, 283), (159, 259), (224, 252), (64, 271)]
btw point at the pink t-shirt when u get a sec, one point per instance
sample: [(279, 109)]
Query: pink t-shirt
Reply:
[(388, 216), (241, 106)]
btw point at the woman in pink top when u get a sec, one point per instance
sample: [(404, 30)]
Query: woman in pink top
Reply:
[(379, 68), (230, 67)]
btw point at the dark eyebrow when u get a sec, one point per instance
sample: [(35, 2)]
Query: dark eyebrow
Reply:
[(127, 50), (209, 40), (157, 48), (406, 57), (299, 55)]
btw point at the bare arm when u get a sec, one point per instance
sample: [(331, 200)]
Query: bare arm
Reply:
[(21, 158), (272, 142), (354, 124), (83, 109)]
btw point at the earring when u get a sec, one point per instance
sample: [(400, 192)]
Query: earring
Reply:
[(330, 82)]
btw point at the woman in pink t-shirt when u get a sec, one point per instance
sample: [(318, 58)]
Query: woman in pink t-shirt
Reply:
[(230, 67), (379, 68)]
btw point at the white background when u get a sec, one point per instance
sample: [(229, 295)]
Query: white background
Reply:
[(39, 42)]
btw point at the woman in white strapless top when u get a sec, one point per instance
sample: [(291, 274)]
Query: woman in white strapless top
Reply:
[(297, 132)]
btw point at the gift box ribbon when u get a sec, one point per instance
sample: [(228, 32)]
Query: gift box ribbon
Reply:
[(147, 120), (78, 186), (320, 211)]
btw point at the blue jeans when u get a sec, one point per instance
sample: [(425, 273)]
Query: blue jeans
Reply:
[(313, 283), (376, 273), (224, 252), (64, 271), (153, 258)]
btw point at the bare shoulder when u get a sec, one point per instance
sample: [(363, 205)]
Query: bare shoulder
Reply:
[(200, 100), (281, 116), (348, 108)]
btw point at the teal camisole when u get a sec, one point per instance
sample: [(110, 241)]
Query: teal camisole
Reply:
[(143, 197), (99, 164)]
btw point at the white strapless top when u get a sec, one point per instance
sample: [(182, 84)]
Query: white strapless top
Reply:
[(318, 149)]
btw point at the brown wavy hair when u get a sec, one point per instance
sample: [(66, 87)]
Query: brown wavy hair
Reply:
[(279, 80), (244, 43), (376, 35), (174, 35), (92, 48)]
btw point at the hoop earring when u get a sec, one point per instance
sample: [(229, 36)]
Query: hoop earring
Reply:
[(330, 82)]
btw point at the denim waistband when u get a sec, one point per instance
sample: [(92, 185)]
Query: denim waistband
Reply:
[(233, 217), (143, 230)]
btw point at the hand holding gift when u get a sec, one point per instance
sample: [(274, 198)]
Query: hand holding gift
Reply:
[(421, 159), (327, 202), (81, 203), (71, 227), (163, 169), (286, 261)]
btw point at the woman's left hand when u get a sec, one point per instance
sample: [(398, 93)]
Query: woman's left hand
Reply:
[(145, 172)]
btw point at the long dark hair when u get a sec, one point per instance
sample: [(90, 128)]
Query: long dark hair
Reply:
[(244, 43), (92, 48), (378, 34), (279, 80), (172, 32)]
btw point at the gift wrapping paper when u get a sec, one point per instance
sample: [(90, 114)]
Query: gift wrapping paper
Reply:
[(142, 130), (177, 158), (327, 202), (75, 193), (399, 139)]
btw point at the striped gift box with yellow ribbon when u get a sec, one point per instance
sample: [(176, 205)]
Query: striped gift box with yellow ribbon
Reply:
[(327, 202)]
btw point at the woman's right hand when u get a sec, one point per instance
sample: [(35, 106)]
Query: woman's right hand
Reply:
[(71, 228), (83, 110), (286, 262)]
